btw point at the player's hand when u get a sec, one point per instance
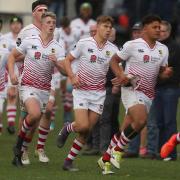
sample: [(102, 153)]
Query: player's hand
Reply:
[(120, 81), (168, 71), (53, 58), (14, 79), (75, 82)]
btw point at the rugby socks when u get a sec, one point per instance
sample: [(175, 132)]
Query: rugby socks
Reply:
[(11, 114), (26, 126), (113, 143), (126, 136), (70, 128), (42, 137), (26, 142), (75, 149)]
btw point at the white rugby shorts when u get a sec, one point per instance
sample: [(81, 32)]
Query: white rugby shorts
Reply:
[(92, 100), (131, 97), (42, 96)]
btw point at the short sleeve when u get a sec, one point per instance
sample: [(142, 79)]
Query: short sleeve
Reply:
[(76, 52), (61, 53), (165, 57), (23, 46), (125, 51)]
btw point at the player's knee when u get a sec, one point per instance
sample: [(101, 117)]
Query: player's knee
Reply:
[(82, 127), (34, 116), (11, 95)]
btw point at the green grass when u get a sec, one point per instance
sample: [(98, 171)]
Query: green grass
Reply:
[(131, 169)]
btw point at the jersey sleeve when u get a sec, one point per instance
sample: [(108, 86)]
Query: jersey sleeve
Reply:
[(76, 52), (165, 57), (61, 54), (23, 46), (125, 52)]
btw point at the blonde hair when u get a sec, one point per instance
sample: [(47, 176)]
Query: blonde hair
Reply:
[(48, 14)]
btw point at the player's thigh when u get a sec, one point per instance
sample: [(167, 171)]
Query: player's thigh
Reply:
[(81, 118), (93, 118)]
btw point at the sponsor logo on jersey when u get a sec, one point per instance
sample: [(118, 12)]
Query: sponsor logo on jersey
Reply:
[(101, 60), (37, 55), (146, 58), (90, 50), (140, 50), (34, 47), (93, 58)]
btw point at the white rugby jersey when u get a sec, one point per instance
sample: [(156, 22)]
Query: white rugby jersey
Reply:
[(38, 69), (93, 63), (144, 62), (4, 52), (11, 40), (83, 28), (69, 39)]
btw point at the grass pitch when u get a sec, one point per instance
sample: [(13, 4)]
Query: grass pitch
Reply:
[(131, 169)]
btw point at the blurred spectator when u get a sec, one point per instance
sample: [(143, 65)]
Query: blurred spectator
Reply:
[(84, 21), (96, 6), (58, 7)]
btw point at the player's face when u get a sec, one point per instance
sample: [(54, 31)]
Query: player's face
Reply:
[(16, 27), (152, 30), (39, 12), (104, 30), (48, 25)]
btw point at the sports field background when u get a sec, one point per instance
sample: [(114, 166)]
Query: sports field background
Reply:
[(131, 169)]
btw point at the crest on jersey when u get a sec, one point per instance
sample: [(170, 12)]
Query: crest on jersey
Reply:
[(53, 50), (160, 52), (93, 58), (146, 58), (108, 53), (37, 55)]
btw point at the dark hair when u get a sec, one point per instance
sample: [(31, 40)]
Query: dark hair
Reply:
[(16, 19), (65, 22), (150, 18), (104, 19), (1, 21), (39, 2)]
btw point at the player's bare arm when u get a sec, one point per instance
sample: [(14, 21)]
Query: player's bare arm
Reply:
[(74, 79), (59, 64), (13, 57), (121, 78), (165, 72)]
